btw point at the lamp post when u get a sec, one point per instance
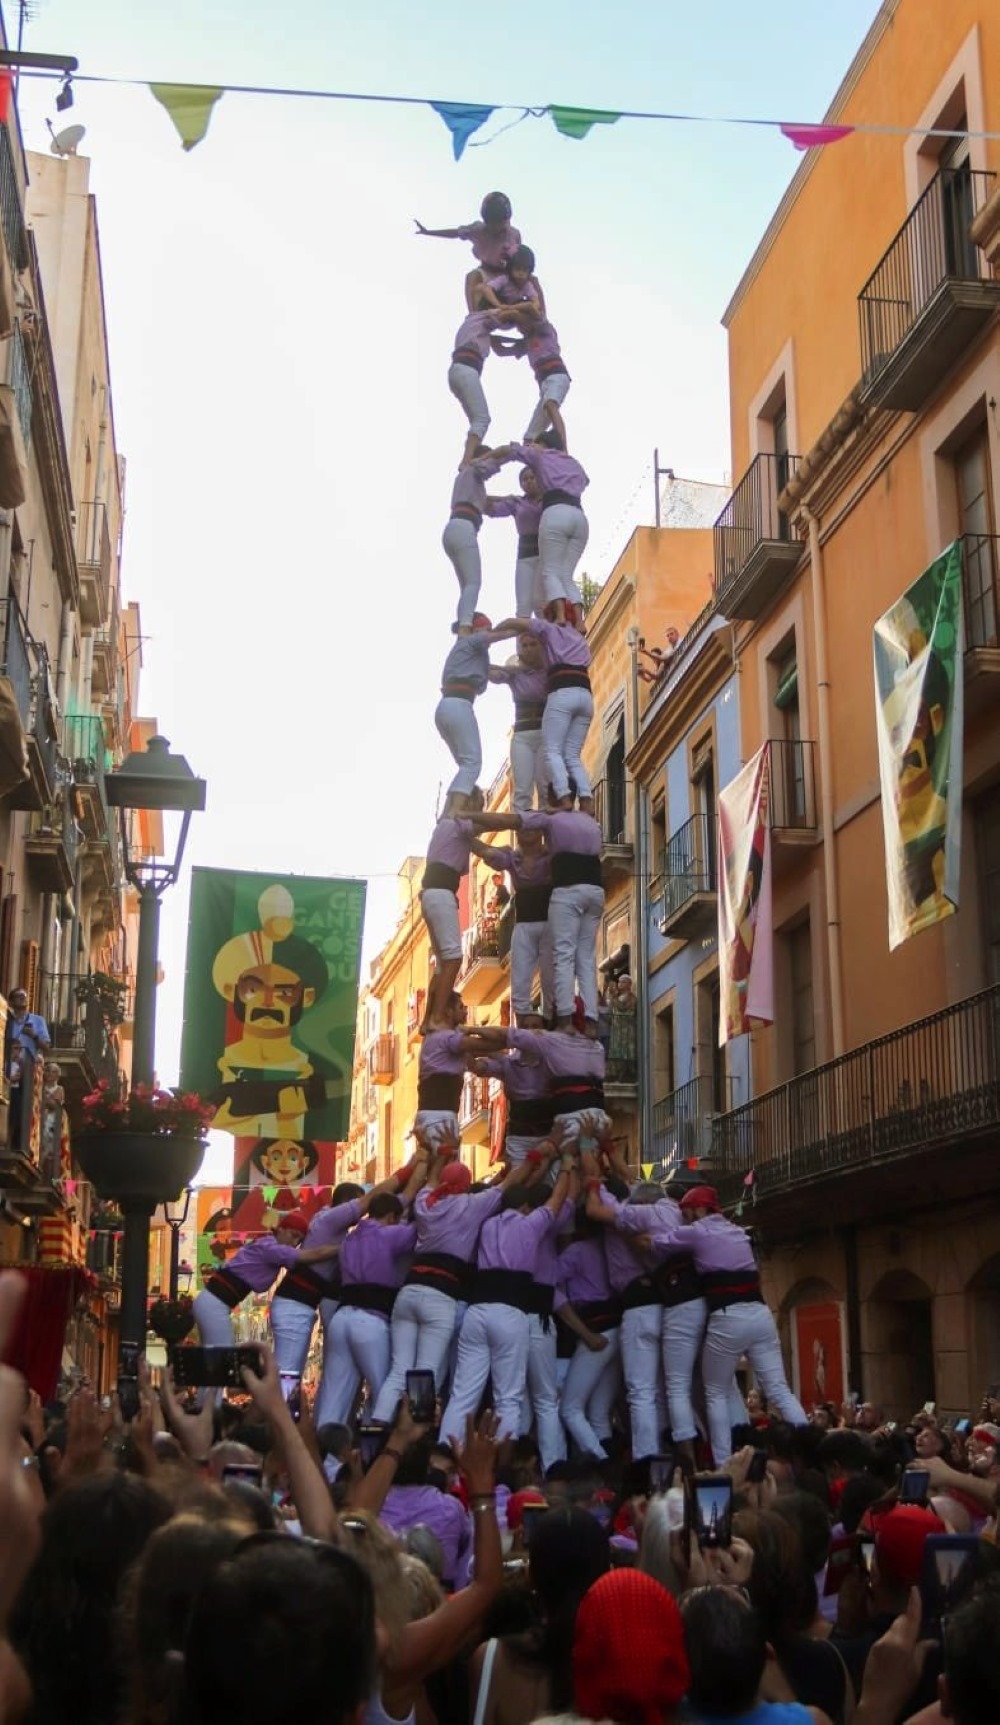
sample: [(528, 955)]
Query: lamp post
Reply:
[(150, 779)]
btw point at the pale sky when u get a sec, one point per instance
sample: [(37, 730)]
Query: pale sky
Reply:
[(280, 341)]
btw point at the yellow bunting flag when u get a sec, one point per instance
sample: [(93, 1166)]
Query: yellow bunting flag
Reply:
[(647, 1169), (190, 107)]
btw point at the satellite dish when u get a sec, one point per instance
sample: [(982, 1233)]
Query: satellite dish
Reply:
[(67, 142)]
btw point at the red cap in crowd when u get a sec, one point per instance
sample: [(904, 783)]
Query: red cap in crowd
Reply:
[(701, 1198), (518, 1501), (629, 1660), (295, 1220), (899, 1542)]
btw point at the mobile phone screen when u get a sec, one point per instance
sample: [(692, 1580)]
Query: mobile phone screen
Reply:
[(758, 1467), (531, 1515), (421, 1395), (370, 1442), (866, 1547), (244, 1472), (661, 1473), (914, 1485), (712, 1509), (213, 1368), (291, 1389), (947, 1562)]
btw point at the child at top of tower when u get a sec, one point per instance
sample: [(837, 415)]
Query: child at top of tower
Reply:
[(492, 238), (515, 284)]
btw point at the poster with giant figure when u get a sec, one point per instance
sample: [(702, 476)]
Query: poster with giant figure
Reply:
[(270, 1002), (919, 713)]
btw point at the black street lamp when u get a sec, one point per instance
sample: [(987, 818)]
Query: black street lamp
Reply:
[(149, 779)]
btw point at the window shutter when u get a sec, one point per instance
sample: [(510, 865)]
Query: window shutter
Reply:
[(28, 977)]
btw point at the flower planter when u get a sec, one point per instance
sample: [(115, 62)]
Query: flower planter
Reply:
[(171, 1320), (139, 1167)]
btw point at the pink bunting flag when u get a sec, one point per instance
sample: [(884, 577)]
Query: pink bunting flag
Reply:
[(809, 137)]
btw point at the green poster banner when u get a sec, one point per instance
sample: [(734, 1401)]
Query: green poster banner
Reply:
[(919, 710), (270, 1001)]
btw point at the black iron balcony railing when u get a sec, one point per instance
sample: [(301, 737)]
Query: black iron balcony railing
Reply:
[(793, 784), (935, 1081), (475, 1098), (94, 545), (688, 864), (481, 941), (751, 518), (19, 378), (11, 212), (684, 1122), (932, 246), (81, 1014), (17, 663), (610, 803), (981, 589), (85, 748)]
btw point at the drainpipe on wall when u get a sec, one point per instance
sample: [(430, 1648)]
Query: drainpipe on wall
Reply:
[(826, 774), (640, 901), (6, 534), (86, 672), (65, 654)]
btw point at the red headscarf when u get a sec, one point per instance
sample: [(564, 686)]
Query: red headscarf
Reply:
[(629, 1659), (456, 1177)]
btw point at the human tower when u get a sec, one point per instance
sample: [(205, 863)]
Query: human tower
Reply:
[(423, 1272)]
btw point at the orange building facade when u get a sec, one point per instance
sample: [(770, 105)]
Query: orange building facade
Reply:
[(864, 350)]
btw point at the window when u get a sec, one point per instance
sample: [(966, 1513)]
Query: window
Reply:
[(711, 1058), (658, 837), (961, 255), (664, 1055), (703, 799), (803, 1020), (613, 821), (390, 1015), (988, 829), (788, 779), (976, 523)]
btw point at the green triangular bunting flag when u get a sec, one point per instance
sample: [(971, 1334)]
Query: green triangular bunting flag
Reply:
[(190, 107), (576, 122)]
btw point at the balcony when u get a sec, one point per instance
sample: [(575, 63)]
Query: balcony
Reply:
[(14, 234), (915, 1113), (382, 1059), (755, 553), (25, 667), (93, 556), (929, 296), (981, 605), (51, 846), (684, 1123), (686, 903), (792, 813), (16, 407), (610, 806), (483, 971), (104, 670), (474, 1109), (83, 1014)]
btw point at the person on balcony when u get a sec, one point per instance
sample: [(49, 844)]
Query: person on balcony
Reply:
[(528, 682), (622, 1041), (739, 1321), (526, 512), (563, 529), (448, 1219), (27, 1040), (464, 677), (252, 1270), (529, 868)]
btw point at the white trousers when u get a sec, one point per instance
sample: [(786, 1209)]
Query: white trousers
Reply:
[(466, 386), (493, 1342), (214, 1319), (747, 1328), (423, 1324), (565, 723), (457, 723), (683, 1334), (529, 595), (574, 918), (440, 911), (530, 956), (589, 1392), (550, 389), (562, 539), (516, 1148), (460, 540), (292, 1325), (640, 1341), (527, 768), (543, 1391), (358, 1342)]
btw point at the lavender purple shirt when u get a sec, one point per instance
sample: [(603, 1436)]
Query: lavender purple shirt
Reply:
[(510, 293), (582, 1274), (566, 830), (541, 346), (470, 483), (443, 1051), (453, 1224), (526, 683), (624, 1262), (562, 1054), (713, 1243), (469, 661), (547, 1262), (527, 512), (409, 1506), (449, 844), (491, 246), (332, 1222), (553, 468), (375, 1252), (475, 332), (258, 1263), (561, 644), (523, 1080), (511, 1241), (523, 871)]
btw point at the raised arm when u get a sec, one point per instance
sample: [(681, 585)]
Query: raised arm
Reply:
[(436, 233), (497, 859), (310, 1492)]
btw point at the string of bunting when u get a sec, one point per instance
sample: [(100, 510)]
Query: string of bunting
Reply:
[(191, 106)]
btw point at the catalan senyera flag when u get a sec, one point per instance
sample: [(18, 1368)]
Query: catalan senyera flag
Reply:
[(270, 1002), (746, 931), (919, 714)]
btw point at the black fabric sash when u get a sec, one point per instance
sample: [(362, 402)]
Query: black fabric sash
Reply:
[(369, 1297), (503, 1287), (528, 715), (678, 1282), (441, 1270), (567, 677), (228, 1288), (302, 1285), (549, 498), (571, 1094), (438, 874), (439, 1091), (542, 1298), (527, 544), (550, 368), (641, 1292), (459, 691), (572, 868), (467, 512), (599, 1315), (731, 1288), (531, 903), (469, 356), (529, 1116)]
